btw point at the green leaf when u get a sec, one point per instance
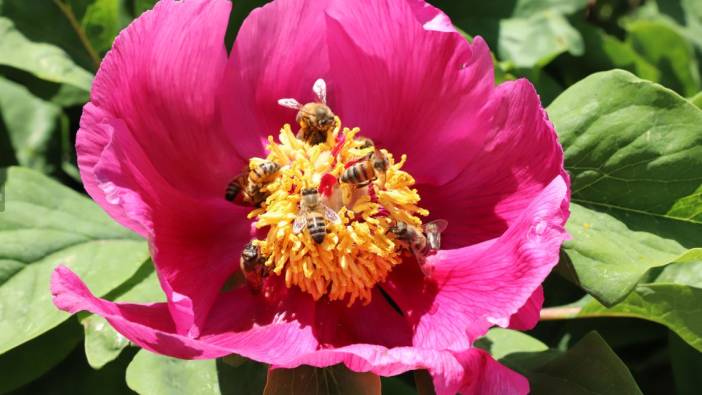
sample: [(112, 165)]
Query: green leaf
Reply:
[(684, 273), (36, 357), (590, 367), (45, 224), (669, 52), (45, 61), (30, 122), (673, 305), (537, 39), (152, 374), (685, 16), (604, 52), (634, 151), (525, 32), (142, 5), (100, 20), (697, 100), (102, 343), (332, 380), (501, 342), (609, 259)]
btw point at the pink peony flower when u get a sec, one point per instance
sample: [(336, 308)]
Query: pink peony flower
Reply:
[(172, 119)]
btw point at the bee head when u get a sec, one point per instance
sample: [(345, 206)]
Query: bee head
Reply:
[(250, 252)]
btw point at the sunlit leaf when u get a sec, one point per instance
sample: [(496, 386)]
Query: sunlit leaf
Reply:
[(669, 52), (673, 305), (30, 122), (45, 224), (634, 151), (46, 61), (152, 374), (525, 32), (609, 258)]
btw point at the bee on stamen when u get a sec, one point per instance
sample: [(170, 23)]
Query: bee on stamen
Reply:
[(422, 243), (364, 172), (253, 266), (314, 214), (316, 119), (250, 182)]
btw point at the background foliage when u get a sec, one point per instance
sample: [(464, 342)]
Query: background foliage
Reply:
[(623, 314)]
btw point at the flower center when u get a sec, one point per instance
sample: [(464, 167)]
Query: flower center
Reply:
[(339, 212)]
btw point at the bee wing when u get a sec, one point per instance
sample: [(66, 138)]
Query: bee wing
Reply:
[(441, 225), (320, 89), (299, 223), (290, 103), (331, 215)]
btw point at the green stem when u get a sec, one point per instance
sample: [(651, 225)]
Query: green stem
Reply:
[(68, 12), (559, 313)]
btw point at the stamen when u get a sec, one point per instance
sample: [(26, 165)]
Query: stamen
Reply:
[(339, 212)]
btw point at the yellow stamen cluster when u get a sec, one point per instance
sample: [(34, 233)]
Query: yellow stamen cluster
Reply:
[(356, 254)]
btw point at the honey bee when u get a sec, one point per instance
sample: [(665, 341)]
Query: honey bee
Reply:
[(422, 243), (314, 214), (263, 172), (316, 119), (249, 184), (236, 187), (253, 266), (365, 171)]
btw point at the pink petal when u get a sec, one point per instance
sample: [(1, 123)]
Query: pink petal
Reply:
[(279, 52), (408, 86), (528, 315), (519, 155), (475, 287), (152, 153), (159, 79), (376, 323), (245, 325)]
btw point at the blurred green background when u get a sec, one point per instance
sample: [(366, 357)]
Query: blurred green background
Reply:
[(50, 51)]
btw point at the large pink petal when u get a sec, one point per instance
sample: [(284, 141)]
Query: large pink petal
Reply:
[(410, 87), (519, 155), (475, 287), (255, 328), (244, 325), (152, 152)]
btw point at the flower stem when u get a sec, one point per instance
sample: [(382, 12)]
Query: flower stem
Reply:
[(68, 12), (559, 313)]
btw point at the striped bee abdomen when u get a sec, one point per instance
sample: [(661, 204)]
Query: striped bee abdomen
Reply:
[(358, 173), (263, 171), (317, 227)]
